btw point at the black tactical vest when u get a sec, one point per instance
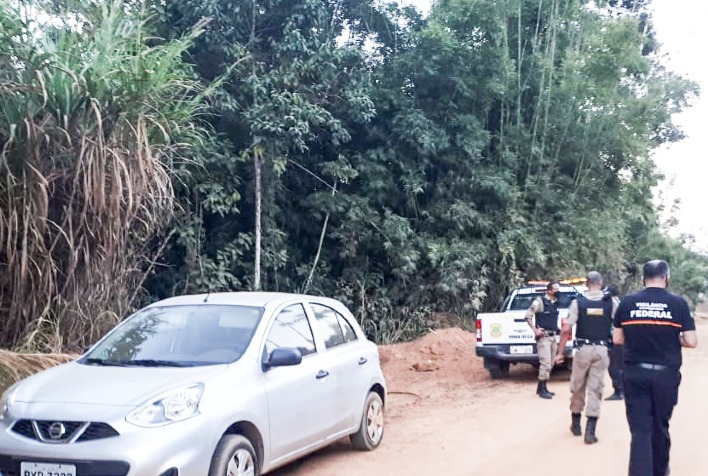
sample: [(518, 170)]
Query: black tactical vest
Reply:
[(548, 319), (594, 319)]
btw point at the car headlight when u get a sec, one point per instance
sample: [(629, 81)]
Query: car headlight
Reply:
[(8, 398), (176, 405)]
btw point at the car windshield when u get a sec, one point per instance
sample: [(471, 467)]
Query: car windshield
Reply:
[(521, 302), (179, 336)]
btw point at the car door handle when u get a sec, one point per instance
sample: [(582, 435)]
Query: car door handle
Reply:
[(322, 374), (362, 361)]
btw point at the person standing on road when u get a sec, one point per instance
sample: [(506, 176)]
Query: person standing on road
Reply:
[(593, 313), (653, 325), (542, 317), (616, 356)]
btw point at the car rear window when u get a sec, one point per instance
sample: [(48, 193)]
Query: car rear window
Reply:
[(521, 302), (335, 328), (349, 332)]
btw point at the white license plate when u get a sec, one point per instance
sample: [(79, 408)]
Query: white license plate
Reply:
[(47, 469), (521, 349)]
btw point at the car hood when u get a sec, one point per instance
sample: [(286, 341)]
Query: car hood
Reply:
[(115, 386)]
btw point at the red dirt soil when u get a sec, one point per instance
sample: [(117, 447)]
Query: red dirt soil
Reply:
[(437, 368)]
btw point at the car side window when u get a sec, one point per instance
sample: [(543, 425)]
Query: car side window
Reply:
[(291, 329), (328, 324), (349, 332)]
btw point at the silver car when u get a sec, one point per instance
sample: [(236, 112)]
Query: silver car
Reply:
[(218, 384)]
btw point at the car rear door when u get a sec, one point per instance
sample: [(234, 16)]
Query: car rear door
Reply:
[(349, 366)]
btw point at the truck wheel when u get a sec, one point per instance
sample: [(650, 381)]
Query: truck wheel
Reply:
[(501, 371)]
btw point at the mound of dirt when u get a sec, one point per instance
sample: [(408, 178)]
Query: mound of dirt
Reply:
[(438, 367)]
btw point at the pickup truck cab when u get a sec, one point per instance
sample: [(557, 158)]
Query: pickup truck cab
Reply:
[(505, 338)]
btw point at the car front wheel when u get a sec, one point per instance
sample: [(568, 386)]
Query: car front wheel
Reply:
[(371, 429), (234, 456)]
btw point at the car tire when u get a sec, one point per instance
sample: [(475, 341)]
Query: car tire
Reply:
[(234, 456), (500, 371), (371, 429)]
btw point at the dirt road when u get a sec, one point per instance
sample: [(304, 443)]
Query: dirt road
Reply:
[(455, 421)]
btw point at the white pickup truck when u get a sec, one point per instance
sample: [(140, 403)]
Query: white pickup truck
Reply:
[(505, 338)]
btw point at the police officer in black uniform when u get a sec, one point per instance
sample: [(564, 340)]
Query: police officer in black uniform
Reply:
[(652, 325), (616, 356)]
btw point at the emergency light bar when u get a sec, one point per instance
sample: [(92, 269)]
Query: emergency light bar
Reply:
[(564, 281)]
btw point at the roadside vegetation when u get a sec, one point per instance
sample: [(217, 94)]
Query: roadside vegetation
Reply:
[(409, 166)]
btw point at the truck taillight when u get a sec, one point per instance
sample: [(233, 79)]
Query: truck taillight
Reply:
[(478, 328)]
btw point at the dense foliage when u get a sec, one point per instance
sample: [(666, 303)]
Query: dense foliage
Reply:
[(412, 167)]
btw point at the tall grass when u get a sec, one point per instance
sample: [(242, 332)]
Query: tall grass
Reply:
[(93, 117)]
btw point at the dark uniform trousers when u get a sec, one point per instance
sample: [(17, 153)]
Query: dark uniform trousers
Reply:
[(650, 395), (616, 367)]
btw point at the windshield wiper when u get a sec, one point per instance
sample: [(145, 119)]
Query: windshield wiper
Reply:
[(153, 363), (107, 363)]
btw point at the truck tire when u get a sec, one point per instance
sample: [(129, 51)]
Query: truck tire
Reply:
[(499, 371)]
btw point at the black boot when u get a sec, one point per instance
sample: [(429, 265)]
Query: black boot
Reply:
[(542, 391), (616, 396), (575, 425), (590, 437)]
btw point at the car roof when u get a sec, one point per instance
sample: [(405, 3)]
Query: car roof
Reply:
[(253, 299)]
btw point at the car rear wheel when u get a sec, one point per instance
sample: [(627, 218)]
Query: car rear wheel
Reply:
[(234, 456), (371, 429), (499, 371)]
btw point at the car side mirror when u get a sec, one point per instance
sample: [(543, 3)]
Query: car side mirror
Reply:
[(283, 357)]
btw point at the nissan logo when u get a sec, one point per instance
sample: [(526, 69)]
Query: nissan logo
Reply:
[(57, 430)]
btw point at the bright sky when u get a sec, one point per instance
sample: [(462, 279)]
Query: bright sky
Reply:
[(682, 29)]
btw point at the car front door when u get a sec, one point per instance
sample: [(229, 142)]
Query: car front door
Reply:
[(295, 392)]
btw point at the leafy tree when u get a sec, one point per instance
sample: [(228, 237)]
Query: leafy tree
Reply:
[(286, 107)]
